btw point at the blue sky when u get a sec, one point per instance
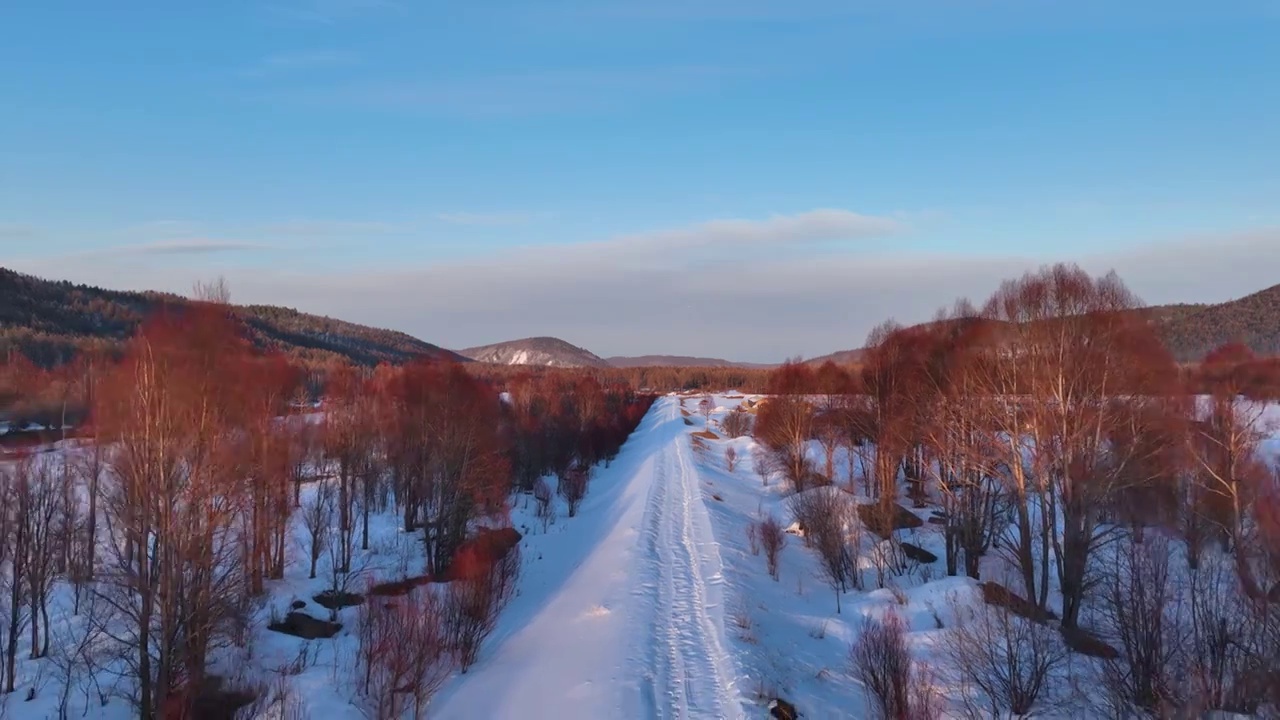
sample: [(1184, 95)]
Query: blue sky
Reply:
[(752, 179)]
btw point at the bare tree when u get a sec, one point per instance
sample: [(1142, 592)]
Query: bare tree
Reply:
[(897, 687), (1234, 643), (888, 559), (317, 520), (706, 406), (737, 423), (1223, 443), (784, 424), (40, 503), (829, 429), (90, 466), (267, 499), (1009, 659), (74, 540), (762, 464), (1072, 345), (851, 456), (1143, 611), (831, 527), (457, 467), (796, 467), (72, 657), (305, 458), (15, 483), (772, 539), (473, 601), (975, 510), (894, 380), (350, 439), (543, 496), (343, 572), (573, 487), (730, 458), (173, 581), (955, 442), (402, 657), (279, 701), (217, 291)]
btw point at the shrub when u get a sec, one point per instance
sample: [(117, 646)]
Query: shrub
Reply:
[(573, 487), (772, 540), (1008, 658), (473, 601), (831, 527), (897, 688), (762, 464), (737, 423), (543, 496), (402, 656)]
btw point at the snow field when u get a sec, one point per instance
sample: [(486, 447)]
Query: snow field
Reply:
[(648, 604), (787, 638)]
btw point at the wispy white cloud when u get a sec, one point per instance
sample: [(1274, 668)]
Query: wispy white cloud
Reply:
[(328, 227), (640, 294), (18, 231), (184, 246), (762, 310), (165, 230), (152, 229), (807, 227)]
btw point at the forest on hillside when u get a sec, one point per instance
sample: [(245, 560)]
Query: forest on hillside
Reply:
[(52, 323)]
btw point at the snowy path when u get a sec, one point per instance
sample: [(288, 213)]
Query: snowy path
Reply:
[(692, 673), (624, 617)]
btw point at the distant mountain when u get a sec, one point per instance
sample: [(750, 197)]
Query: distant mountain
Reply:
[(543, 351), (1190, 331), (50, 321), (678, 361), (840, 357)]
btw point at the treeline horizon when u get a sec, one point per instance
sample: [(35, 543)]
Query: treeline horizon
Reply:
[(55, 394)]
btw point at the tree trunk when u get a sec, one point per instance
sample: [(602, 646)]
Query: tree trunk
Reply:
[(11, 651), (91, 542), (368, 500)]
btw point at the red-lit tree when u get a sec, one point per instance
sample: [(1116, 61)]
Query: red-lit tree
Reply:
[(175, 412), (453, 463), (784, 423)]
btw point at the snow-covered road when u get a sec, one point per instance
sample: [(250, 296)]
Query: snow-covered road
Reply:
[(690, 673), (624, 616)]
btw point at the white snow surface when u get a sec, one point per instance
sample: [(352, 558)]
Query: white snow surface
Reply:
[(648, 604), (626, 619)]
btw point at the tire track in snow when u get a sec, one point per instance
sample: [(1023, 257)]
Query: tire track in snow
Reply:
[(691, 673)]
